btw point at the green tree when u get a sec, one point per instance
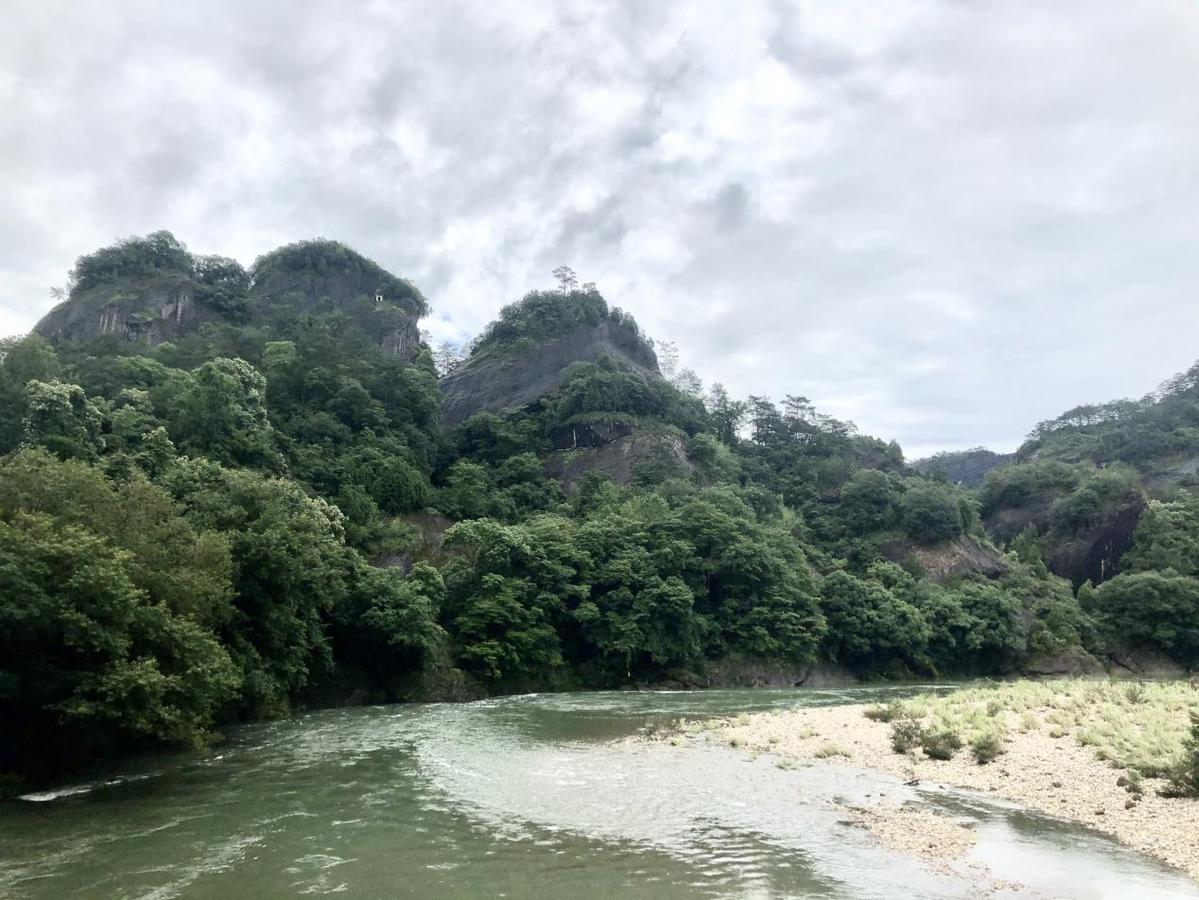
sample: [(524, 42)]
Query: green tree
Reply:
[(87, 660), (59, 417)]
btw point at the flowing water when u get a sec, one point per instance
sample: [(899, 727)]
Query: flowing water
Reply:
[(524, 797)]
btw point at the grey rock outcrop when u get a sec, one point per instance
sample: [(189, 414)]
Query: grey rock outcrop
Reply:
[(503, 378), (620, 458), (962, 556), (147, 312)]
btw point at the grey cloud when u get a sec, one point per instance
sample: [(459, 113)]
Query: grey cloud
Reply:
[(945, 220)]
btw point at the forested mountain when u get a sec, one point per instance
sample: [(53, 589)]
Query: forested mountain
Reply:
[(226, 492)]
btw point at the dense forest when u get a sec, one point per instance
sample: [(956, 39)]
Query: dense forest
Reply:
[(228, 493)]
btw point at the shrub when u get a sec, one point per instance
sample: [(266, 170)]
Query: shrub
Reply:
[(905, 734), (986, 747), (879, 713), (831, 750), (1184, 779), (940, 743)]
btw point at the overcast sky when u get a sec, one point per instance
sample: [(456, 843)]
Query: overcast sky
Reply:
[(944, 220)]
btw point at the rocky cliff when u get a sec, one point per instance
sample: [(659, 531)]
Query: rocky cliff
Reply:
[(965, 555), (510, 377), (145, 311)]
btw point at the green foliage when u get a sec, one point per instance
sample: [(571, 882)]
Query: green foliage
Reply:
[(202, 514), (60, 418), (931, 512), (323, 259), (224, 284), (542, 315), (1184, 778), (1136, 432), (222, 415), (906, 733), (290, 568), (1154, 610), (1016, 486), (505, 602), (869, 501), (1166, 537), (84, 652), (986, 747), (590, 389), (132, 258), (1096, 494), (867, 624), (402, 612), (940, 742)]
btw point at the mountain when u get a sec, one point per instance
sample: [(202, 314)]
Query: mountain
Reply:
[(226, 493), (150, 290), (525, 353), (1081, 481)]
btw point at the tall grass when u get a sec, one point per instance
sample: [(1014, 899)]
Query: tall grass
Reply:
[(1142, 727)]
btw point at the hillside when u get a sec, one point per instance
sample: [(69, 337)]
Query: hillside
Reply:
[(525, 353), (269, 500), (1081, 482), (964, 467)]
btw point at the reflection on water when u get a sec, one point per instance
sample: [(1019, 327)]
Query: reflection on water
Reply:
[(533, 796)]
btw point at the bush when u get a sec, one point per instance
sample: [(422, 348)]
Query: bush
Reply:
[(986, 748), (888, 713), (932, 512), (906, 734), (1184, 779), (940, 743)]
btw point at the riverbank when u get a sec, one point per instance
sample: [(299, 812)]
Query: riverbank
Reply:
[(1094, 753)]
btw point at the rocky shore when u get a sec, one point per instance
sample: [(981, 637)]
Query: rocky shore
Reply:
[(1042, 766)]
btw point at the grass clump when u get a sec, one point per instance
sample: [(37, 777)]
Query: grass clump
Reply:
[(1184, 776), (829, 750), (940, 742), (906, 733), (880, 713), (986, 747)]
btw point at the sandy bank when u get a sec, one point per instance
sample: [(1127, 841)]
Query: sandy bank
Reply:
[(1053, 774)]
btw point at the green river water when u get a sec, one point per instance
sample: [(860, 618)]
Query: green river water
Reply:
[(524, 797)]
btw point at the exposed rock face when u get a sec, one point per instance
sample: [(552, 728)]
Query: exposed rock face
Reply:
[(965, 467), (952, 559), (146, 313), (620, 459), (496, 379), (1091, 556), (1094, 555)]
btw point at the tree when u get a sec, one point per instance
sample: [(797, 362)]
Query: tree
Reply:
[(505, 600), (403, 611), (567, 280), (59, 417), (931, 512), (222, 414), (1154, 610), (290, 569), (726, 414), (448, 357), (86, 659), (868, 626)]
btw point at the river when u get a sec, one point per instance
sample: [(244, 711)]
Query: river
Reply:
[(524, 797)]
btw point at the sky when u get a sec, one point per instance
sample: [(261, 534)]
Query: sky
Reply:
[(945, 220)]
